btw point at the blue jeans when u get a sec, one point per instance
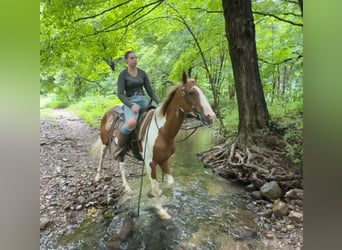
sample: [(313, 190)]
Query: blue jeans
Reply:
[(139, 100)]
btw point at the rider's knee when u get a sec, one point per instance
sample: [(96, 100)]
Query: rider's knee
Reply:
[(131, 123)]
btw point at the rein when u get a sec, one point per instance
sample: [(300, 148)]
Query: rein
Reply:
[(186, 137), (143, 165)]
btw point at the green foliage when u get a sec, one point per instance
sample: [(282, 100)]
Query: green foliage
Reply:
[(53, 101), (290, 116), (79, 40), (47, 113), (92, 108)]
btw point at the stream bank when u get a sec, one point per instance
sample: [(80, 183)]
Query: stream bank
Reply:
[(69, 197)]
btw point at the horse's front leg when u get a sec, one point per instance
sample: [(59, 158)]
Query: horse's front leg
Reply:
[(99, 168), (156, 191), (127, 189), (166, 168)]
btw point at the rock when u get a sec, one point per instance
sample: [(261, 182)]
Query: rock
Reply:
[(81, 200), (280, 209), (267, 213), (243, 233), (271, 190), (250, 188), (296, 216), (256, 195), (120, 228), (297, 203), (294, 194), (44, 223), (269, 235)]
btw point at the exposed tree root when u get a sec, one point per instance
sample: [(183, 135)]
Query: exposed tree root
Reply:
[(253, 164)]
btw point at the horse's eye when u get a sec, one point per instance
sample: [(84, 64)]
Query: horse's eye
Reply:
[(192, 93)]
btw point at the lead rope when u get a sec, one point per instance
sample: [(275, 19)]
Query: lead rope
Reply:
[(142, 169)]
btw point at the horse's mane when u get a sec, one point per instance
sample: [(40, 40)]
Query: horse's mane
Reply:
[(169, 97)]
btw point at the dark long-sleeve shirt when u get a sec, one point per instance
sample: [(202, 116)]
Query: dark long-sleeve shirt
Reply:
[(129, 85)]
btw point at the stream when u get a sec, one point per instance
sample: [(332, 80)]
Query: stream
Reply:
[(206, 210)]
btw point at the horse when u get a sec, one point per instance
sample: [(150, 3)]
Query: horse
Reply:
[(157, 140)]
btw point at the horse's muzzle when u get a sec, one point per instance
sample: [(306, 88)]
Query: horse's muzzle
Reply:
[(205, 119)]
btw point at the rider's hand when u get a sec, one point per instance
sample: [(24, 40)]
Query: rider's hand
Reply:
[(135, 108)]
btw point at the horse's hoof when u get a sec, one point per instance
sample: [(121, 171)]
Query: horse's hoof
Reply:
[(97, 178), (128, 191), (164, 216), (150, 194)]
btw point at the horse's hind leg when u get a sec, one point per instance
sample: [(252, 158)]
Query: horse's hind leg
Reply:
[(124, 180), (99, 168)]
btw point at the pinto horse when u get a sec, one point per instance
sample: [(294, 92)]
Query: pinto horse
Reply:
[(157, 143)]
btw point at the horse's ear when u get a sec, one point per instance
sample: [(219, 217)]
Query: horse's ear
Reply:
[(184, 78)]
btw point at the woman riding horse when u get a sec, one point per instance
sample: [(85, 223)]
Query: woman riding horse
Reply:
[(130, 91), (158, 136)]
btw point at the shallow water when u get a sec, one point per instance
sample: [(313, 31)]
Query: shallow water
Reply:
[(205, 209)]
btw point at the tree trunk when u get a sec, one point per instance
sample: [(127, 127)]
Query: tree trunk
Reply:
[(253, 113)]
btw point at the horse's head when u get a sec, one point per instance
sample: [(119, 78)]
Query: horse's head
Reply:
[(195, 100)]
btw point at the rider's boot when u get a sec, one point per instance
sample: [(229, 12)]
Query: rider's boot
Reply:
[(120, 147)]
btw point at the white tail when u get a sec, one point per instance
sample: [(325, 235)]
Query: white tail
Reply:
[(96, 148)]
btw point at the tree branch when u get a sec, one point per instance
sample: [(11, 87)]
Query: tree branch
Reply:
[(279, 18), (281, 62), (208, 11), (93, 81), (103, 12), (133, 13)]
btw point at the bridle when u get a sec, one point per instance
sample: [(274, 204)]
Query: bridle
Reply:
[(183, 93)]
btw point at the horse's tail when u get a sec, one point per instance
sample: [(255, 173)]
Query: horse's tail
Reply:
[(96, 148)]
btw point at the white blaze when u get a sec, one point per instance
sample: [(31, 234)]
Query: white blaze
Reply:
[(207, 110)]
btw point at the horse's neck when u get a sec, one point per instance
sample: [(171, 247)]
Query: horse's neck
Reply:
[(173, 121)]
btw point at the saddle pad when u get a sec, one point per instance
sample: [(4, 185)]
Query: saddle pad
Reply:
[(119, 111), (144, 124)]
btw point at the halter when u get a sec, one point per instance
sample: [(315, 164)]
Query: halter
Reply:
[(183, 93)]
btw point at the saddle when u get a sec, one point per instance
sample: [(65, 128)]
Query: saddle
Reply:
[(134, 141)]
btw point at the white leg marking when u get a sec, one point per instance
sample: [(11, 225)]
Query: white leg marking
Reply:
[(128, 190), (169, 180), (99, 168)]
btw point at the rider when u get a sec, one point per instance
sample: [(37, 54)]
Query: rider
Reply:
[(130, 91)]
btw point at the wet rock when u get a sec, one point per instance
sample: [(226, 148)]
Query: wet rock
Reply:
[(243, 233), (120, 228), (271, 190)]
